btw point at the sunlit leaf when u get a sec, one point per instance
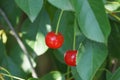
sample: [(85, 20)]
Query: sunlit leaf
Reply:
[(17, 55), (34, 33), (54, 75)]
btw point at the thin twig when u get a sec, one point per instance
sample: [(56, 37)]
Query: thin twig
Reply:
[(18, 78), (19, 42), (114, 65), (58, 23), (113, 14), (5, 70)]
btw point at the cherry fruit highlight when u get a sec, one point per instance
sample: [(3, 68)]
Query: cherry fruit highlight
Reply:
[(70, 57), (54, 40)]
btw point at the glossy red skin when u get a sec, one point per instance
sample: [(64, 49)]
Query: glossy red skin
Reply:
[(70, 57), (53, 40)]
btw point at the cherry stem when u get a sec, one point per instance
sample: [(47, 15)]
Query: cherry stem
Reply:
[(70, 78), (57, 28), (74, 36), (68, 71), (74, 44)]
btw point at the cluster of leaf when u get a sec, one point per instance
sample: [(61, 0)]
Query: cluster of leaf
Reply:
[(97, 37)]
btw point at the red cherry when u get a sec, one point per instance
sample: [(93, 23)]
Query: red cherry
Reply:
[(70, 57), (53, 40)]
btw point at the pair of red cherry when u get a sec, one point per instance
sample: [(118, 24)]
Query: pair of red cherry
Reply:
[(55, 41)]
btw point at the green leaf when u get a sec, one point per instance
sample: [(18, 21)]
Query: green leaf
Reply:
[(30, 7), (63, 5), (12, 67), (100, 74), (92, 19), (12, 11), (91, 56), (8, 63), (17, 55), (108, 75), (62, 67), (75, 73), (2, 51), (114, 40), (34, 33), (116, 75), (54, 75)]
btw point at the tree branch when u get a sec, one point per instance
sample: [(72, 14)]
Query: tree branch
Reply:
[(19, 42)]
